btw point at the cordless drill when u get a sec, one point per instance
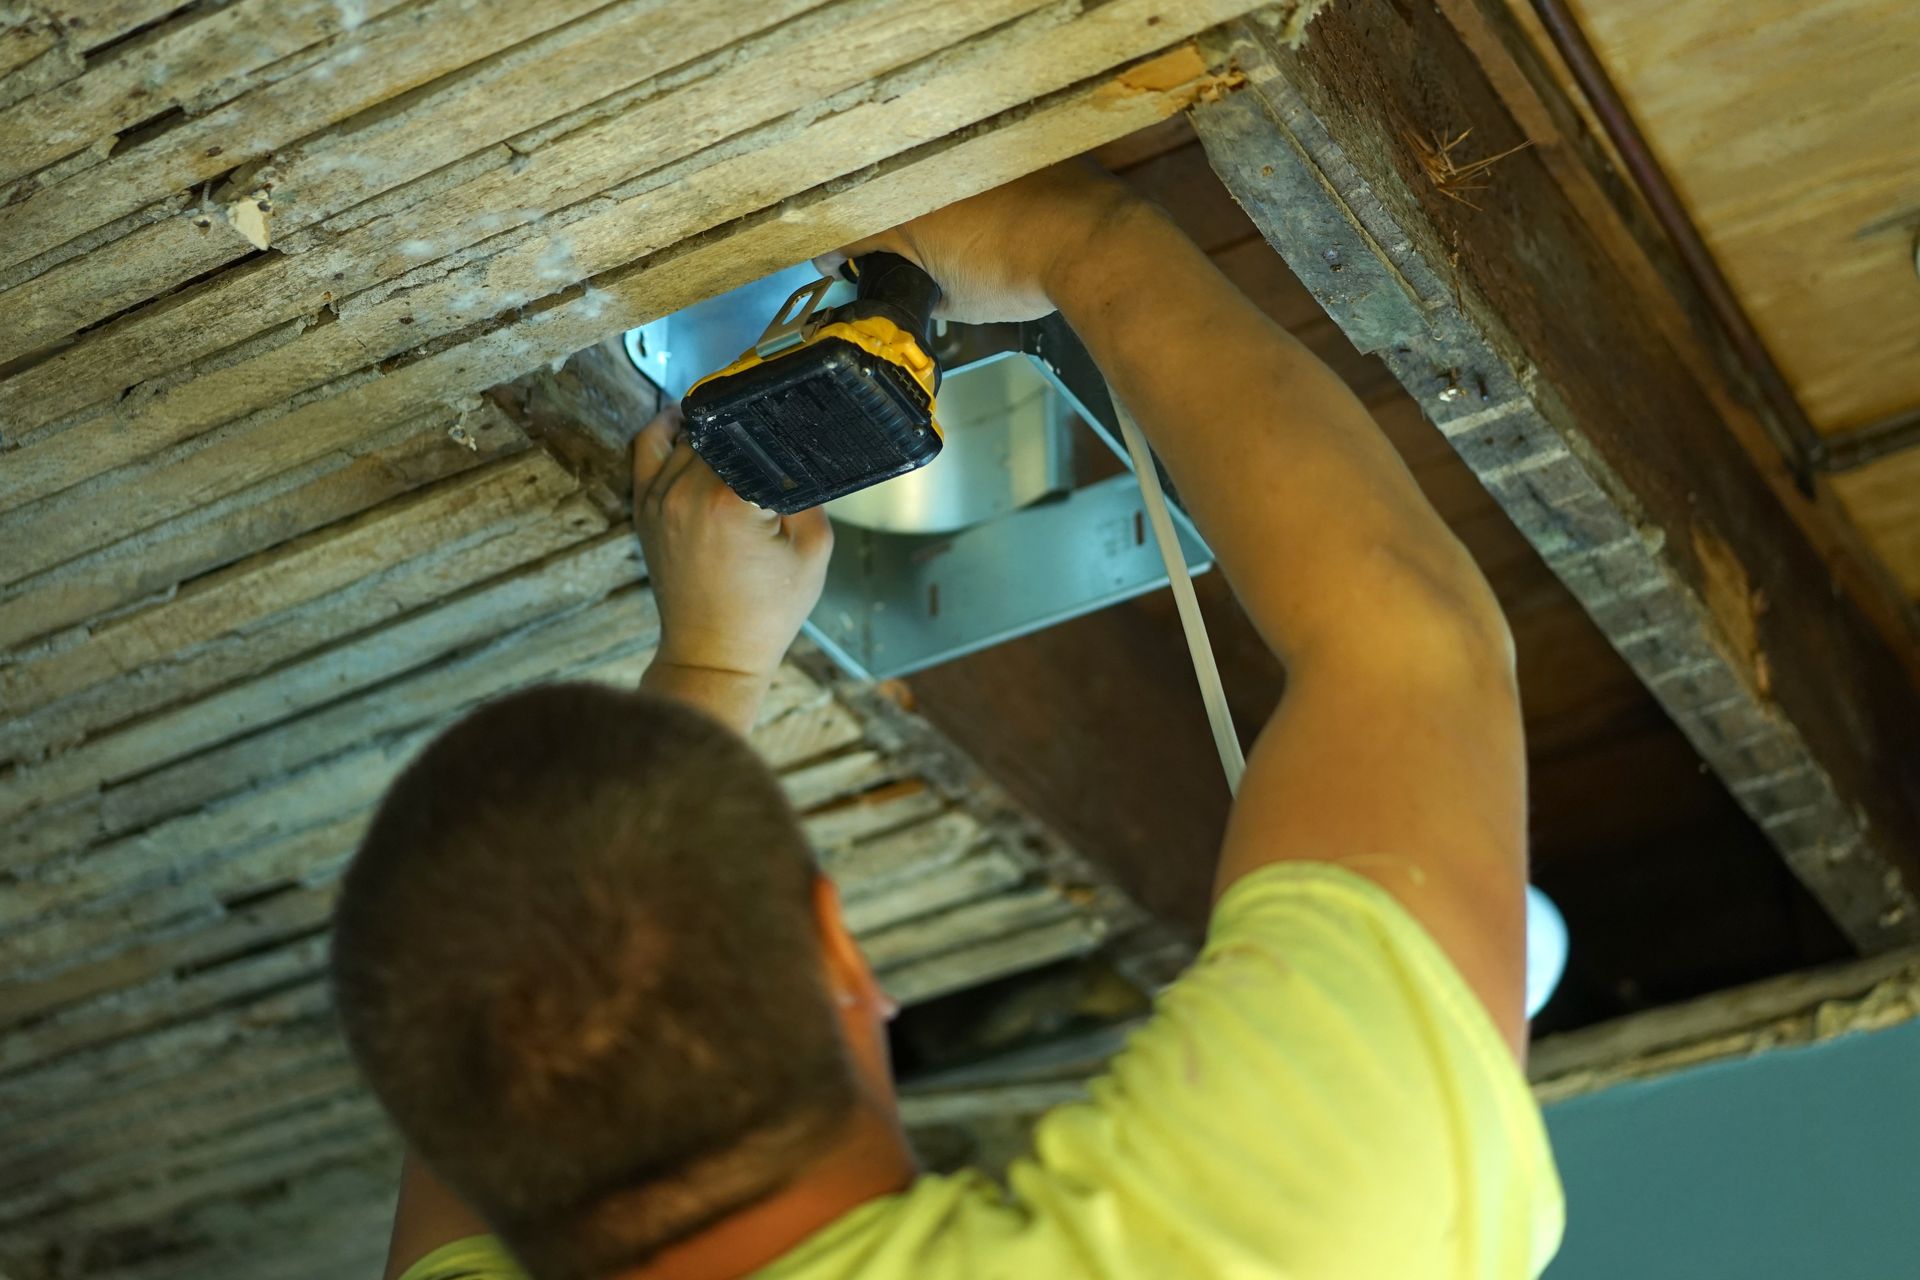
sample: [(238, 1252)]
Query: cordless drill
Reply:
[(826, 402)]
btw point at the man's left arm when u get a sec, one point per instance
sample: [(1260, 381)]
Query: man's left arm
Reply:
[(733, 582)]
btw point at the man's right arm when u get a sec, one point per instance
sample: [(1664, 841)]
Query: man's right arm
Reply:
[(1396, 751)]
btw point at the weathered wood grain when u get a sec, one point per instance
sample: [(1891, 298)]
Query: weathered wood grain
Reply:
[(378, 465), (120, 1073), (225, 842), (180, 874), (571, 577), (521, 540), (837, 777), (138, 1168), (869, 911), (978, 962), (609, 641), (1884, 500), (255, 1074), (332, 1225), (184, 868), (923, 848), (1533, 81), (241, 598), (193, 66), (22, 40), (105, 21), (352, 1140), (884, 808), (171, 998), (699, 105), (291, 915), (1811, 220), (397, 52), (548, 76), (819, 726)]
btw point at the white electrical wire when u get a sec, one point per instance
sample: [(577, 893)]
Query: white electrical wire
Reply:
[(1546, 928), (1212, 692)]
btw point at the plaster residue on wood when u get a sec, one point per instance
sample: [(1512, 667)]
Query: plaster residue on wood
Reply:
[(1289, 19)]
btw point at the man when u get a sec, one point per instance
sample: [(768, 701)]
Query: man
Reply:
[(588, 966)]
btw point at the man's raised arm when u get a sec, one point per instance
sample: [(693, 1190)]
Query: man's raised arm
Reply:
[(1397, 749)]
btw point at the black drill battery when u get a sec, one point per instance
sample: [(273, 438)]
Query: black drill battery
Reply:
[(827, 402)]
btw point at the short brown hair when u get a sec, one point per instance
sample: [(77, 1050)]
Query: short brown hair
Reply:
[(576, 958)]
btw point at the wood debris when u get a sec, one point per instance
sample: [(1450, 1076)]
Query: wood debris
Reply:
[(252, 217)]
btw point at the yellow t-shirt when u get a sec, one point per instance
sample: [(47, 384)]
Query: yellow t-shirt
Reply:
[(1319, 1098)]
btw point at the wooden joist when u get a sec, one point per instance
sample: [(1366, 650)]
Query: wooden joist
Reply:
[(1800, 1008), (1506, 318)]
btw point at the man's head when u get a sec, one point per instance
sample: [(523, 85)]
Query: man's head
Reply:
[(586, 962)]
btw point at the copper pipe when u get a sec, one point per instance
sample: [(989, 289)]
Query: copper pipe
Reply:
[(1806, 450)]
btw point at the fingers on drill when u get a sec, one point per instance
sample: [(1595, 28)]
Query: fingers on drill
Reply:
[(810, 531), (654, 445), (828, 264), (680, 463)]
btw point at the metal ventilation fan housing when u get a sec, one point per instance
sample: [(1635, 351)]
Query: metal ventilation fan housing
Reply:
[(991, 540)]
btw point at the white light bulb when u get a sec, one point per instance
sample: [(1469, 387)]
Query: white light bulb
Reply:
[(1546, 949)]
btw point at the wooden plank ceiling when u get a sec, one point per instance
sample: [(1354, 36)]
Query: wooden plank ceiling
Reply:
[(1788, 130), (261, 535)]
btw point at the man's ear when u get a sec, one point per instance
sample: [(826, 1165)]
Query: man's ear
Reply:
[(849, 976)]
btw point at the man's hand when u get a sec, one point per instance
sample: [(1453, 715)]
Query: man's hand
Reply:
[(732, 582), (1001, 255)]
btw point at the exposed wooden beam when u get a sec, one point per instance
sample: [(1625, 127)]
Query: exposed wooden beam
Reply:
[(1358, 156), (1800, 1008)]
